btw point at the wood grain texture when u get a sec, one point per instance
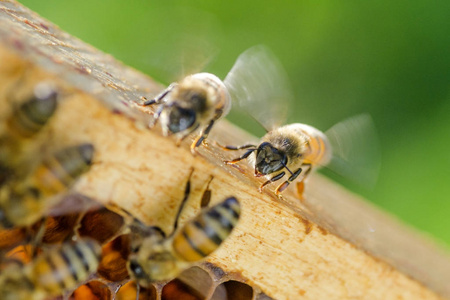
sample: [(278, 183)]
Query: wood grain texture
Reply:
[(334, 245)]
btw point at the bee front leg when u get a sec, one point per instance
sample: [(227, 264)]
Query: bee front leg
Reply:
[(244, 156), (158, 99), (156, 116), (234, 148), (197, 142), (273, 179)]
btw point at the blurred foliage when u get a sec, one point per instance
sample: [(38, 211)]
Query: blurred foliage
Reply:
[(390, 59)]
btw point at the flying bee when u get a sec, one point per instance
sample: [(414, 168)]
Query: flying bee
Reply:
[(159, 257), (23, 124), (22, 203), (51, 273), (348, 148)]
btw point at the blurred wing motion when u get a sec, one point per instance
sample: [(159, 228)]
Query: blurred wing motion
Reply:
[(356, 153), (187, 49), (258, 84), (195, 54)]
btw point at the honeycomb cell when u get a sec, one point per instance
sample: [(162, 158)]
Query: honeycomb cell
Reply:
[(93, 290), (193, 283), (198, 280), (10, 238), (101, 225), (233, 290), (128, 291), (114, 259), (176, 289), (60, 228)]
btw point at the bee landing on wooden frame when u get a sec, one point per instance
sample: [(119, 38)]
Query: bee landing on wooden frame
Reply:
[(292, 152)]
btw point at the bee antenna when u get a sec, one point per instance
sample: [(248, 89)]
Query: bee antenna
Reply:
[(187, 191), (138, 290), (206, 197)]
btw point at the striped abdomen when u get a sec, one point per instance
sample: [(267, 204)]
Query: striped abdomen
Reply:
[(318, 149), (58, 172), (222, 99), (204, 234), (24, 203), (29, 118), (63, 269)]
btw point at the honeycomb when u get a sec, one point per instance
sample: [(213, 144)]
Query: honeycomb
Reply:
[(111, 281)]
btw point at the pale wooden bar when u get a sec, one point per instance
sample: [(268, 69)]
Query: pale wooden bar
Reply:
[(334, 245)]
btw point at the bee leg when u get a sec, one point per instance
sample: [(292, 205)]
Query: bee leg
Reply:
[(301, 184), (158, 99), (234, 148), (156, 116), (197, 142), (273, 179), (244, 156), (285, 184), (294, 176), (187, 191)]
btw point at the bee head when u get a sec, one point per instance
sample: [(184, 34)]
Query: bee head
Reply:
[(152, 261), (157, 267), (180, 119), (137, 272), (269, 159)]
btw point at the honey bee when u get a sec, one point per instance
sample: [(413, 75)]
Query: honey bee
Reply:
[(27, 120), (51, 273), (22, 203), (200, 100), (159, 257), (197, 101), (296, 149), (31, 116)]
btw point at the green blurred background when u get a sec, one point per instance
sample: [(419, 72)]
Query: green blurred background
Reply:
[(390, 59)]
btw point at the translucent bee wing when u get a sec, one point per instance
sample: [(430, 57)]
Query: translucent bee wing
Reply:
[(188, 49), (259, 85), (355, 147), (196, 53)]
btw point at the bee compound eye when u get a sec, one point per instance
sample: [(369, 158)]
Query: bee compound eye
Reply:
[(181, 119), (137, 270)]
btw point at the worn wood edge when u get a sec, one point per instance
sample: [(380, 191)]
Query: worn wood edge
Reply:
[(306, 255)]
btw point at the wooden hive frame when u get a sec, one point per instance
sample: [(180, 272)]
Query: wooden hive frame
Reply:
[(334, 245)]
